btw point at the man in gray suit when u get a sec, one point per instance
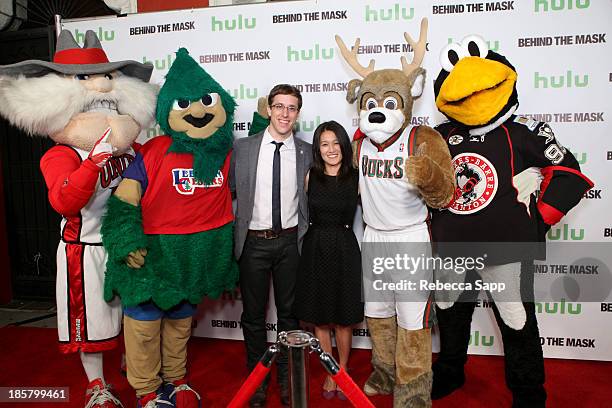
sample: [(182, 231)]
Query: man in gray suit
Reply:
[(267, 175)]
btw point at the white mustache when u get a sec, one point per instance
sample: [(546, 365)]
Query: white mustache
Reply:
[(45, 105), (101, 105)]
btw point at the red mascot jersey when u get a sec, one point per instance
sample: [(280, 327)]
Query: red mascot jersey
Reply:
[(173, 202)]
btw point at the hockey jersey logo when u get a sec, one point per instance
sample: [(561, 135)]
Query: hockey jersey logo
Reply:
[(185, 183), (476, 183), (455, 140)]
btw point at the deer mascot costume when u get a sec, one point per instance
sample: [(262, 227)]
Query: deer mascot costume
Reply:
[(94, 110), (403, 169)]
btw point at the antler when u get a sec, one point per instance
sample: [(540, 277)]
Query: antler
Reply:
[(417, 48), (351, 58)]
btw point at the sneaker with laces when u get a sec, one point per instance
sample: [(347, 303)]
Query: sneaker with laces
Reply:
[(182, 395), (99, 395), (156, 399)]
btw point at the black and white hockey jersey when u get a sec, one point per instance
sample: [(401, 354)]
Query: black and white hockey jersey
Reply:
[(486, 205)]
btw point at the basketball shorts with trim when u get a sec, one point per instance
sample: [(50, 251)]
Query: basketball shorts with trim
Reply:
[(412, 305), (85, 322)]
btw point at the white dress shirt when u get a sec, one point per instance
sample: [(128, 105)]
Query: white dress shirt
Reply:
[(262, 208)]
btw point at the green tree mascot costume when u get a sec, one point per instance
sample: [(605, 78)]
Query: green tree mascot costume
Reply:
[(168, 231)]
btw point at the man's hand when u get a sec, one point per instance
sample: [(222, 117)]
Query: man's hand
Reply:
[(136, 259), (102, 150)]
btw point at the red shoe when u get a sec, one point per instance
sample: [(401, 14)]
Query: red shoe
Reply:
[(155, 399), (183, 396), (99, 395)]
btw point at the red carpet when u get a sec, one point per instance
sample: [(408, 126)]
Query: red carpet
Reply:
[(31, 358)]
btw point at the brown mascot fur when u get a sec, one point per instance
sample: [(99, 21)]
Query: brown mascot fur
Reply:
[(401, 358)]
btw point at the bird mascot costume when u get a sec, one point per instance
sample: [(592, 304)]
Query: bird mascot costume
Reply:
[(403, 169), (493, 153), (169, 232), (94, 110)]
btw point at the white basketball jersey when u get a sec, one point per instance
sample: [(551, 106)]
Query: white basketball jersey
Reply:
[(85, 228), (388, 199)]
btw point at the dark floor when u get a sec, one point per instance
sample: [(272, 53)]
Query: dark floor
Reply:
[(30, 313)]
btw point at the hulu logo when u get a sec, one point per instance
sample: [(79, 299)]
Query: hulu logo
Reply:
[(103, 35), (239, 23), (567, 81), (152, 132), (308, 126), (558, 307), (160, 64), (493, 45), (580, 157), (557, 5), (316, 53), (243, 92), (395, 13), (564, 233), (477, 340)]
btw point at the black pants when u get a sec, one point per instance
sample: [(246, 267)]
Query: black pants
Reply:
[(261, 258), (524, 362)]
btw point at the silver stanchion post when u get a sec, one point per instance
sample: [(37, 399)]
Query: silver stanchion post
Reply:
[(298, 345)]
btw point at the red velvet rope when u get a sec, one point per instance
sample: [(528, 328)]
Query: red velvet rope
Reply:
[(250, 385), (351, 390)]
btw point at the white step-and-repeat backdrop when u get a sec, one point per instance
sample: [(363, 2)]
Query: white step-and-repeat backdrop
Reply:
[(563, 56)]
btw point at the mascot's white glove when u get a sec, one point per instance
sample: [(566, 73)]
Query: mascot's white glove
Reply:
[(102, 150), (527, 182)]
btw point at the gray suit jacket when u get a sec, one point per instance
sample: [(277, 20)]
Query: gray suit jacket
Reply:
[(243, 171)]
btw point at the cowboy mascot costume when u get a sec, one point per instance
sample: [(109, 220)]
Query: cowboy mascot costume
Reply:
[(94, 110)]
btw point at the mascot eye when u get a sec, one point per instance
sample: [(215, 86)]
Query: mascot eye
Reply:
[(108, 76), (371, 103), (210, 99), (475, 46), (390, 103), (181, 104), (82, 77), (450, 55)]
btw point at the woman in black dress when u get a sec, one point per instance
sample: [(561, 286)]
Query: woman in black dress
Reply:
[(328, 290)]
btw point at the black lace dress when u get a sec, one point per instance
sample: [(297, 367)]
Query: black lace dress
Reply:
[(328, 289)]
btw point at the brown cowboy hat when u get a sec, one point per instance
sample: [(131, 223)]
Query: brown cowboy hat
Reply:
[(70, 59)]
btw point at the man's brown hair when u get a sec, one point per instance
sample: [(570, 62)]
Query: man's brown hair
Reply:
[(285, 89)]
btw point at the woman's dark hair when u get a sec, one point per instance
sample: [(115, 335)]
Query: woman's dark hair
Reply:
[(318, 165)]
